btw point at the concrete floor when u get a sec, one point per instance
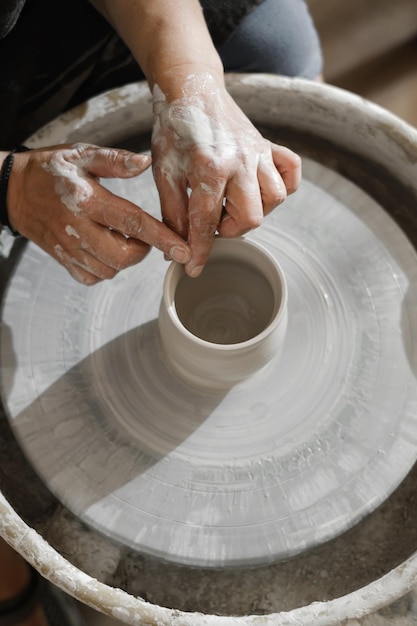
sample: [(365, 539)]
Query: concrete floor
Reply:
[(391, 82)]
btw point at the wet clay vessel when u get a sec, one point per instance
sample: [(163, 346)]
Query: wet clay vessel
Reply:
[(227, 324)]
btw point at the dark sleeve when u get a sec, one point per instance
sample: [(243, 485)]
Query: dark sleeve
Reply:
[(223, 16), (9, 13)]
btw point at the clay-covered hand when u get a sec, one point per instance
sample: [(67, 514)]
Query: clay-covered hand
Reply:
[(213, 169), (55, 199)]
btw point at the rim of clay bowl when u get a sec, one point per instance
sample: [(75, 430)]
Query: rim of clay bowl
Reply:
[(277, 315)]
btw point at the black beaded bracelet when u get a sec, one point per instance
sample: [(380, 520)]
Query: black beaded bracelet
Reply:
[(4, 182)]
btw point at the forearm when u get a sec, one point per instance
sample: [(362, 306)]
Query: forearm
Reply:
[(168, 39)]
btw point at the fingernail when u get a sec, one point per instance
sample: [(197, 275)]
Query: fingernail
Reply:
[(195, 271), (178, 254), (136, 162)]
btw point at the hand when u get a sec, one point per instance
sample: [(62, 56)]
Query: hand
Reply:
[(55, 199), (213, 169)]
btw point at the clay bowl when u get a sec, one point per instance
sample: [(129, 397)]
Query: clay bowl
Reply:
[(227, 324)]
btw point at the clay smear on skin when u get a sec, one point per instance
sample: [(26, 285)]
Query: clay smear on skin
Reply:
[(191, 126), (71, 232), (71, 264), (72, 185), (73, 189), (192, 122)]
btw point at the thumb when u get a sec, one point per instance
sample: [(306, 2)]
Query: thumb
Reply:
[(109, 162)]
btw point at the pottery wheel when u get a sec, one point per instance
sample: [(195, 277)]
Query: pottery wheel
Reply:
[(281, 463)]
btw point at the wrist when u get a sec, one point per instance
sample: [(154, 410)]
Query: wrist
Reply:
[(164, 47), (6, 192), (187, 81)]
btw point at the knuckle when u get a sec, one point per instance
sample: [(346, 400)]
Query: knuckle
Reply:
[(277, 196), (80, 150), (251, 222), (131, 224), (110, 272), (274, 193), (215, 174), (292, 188), (293, 161), (254, 221), (80, 146), (111, 155), (121, 261), (293, 174), (207, 165), (118, 264), (206, 234), (84, 278), (89, 280), (129, 254), (205, 227), (140, 254)]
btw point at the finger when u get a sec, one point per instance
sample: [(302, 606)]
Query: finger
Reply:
[(272, 187), (113, 249), (288, 163), (100, 254), (204, 213), (108, 162), (174, 201), (83, 266), (128, 219), (81, 276), (244, 209)]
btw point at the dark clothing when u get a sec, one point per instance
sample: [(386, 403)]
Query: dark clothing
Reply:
[(276, 37), (56, 54), (9, 13), (223, 16), (51, 52)]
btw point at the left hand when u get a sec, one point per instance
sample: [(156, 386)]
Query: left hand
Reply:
[(55, 199), (213, 169)]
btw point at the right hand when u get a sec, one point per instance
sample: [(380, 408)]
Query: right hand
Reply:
[(55, 199)]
